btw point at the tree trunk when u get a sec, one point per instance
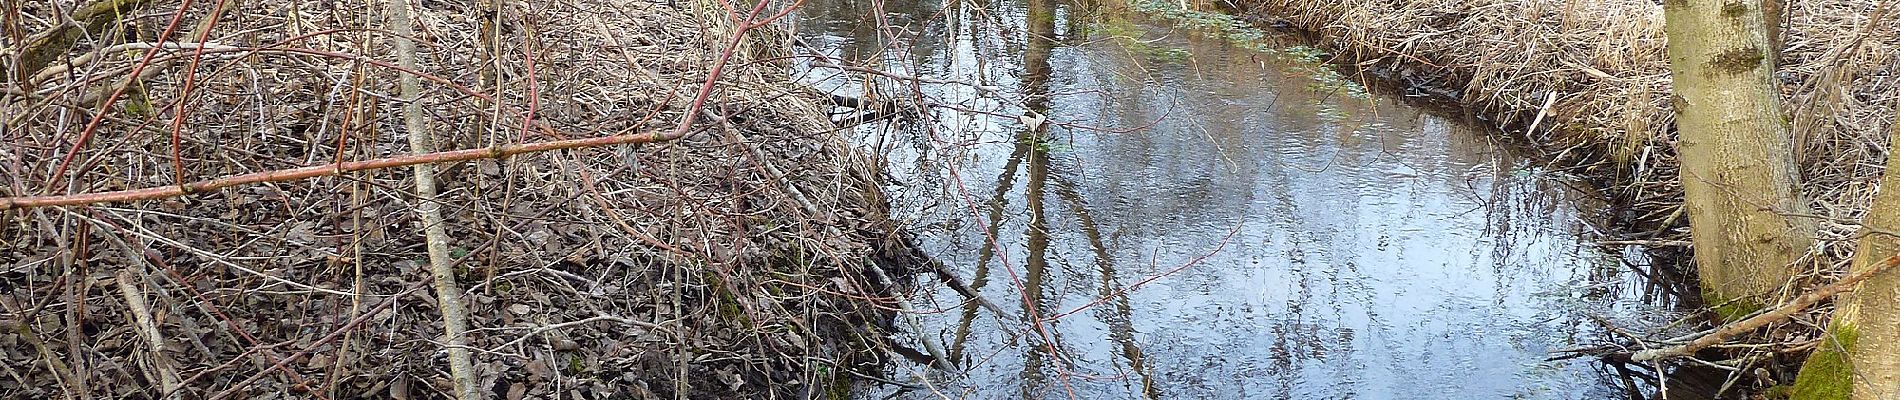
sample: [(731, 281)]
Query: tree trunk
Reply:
[(1738, 172), (1861, 357), (1772, 13)]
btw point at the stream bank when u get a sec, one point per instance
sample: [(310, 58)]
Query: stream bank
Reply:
[(1589, 83)]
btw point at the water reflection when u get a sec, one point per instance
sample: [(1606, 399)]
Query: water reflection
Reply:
[(1259, 237)]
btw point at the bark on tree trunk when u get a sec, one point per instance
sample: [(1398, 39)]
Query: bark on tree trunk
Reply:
[(1772, 13), (1860, 359), (1738, 173)]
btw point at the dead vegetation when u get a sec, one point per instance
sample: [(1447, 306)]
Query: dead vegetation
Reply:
[(725, 264), (1591, 82)]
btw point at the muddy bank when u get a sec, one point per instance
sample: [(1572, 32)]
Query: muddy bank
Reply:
[(729, 264), (1589, 82)]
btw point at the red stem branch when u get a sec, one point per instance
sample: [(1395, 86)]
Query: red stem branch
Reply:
[(92, 126), (329, 170)]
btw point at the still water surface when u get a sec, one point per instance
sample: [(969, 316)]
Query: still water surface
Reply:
[(1207, 221)]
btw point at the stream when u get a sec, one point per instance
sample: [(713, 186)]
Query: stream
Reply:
[(1210, 218)]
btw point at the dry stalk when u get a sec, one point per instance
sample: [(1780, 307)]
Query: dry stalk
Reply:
[(148, 329), (449, 297)]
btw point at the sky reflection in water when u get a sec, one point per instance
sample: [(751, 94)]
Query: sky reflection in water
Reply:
[(1366, 249)]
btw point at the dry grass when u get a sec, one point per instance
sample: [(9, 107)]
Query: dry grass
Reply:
[(721, 265), (1603, 61)]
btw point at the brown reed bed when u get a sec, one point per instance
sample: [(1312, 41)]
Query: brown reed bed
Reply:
[(727, 264), (1588, 81)]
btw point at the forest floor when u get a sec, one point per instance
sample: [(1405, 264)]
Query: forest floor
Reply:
[(740, 261), (1588, 82)]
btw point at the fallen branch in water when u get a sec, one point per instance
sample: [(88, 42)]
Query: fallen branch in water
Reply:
[(1723, 333)]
